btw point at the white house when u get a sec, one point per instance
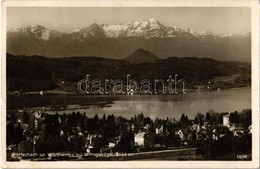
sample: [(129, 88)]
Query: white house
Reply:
[(180, 133), (250, 129), (214, 135), (159, 130), (226, 120), (139, 139)]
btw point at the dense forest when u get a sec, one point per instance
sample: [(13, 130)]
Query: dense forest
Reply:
[(32, 73)]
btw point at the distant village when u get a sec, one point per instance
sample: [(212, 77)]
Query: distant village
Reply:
[(207, 136)]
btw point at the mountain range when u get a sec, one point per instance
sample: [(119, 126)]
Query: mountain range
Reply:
[(119, 41)]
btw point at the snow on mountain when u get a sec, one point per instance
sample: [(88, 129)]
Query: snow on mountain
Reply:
[(41, 32), (112, 41), (38, 31), (205, 33), (74, 31), (150, 28), (93, 31)]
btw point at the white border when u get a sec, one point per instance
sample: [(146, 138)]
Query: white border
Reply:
[(253, 4)]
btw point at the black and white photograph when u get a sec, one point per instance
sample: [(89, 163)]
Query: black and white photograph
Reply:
[(114, 83)]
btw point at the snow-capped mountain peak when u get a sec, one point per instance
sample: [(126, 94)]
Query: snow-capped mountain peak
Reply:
[(205, 33), (152, 20), (41, 32), (147, 28), (118, 39), (38, 31), (93, 30), (74, 31)]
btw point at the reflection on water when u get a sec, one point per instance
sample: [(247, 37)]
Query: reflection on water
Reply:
[(151, 105)]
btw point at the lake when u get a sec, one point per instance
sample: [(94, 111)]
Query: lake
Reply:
[(161, 106)]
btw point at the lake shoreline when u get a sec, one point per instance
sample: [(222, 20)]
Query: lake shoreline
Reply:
[(152, 105), (70, 93)]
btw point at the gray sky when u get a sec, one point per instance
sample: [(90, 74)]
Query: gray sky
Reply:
[(213, 19)]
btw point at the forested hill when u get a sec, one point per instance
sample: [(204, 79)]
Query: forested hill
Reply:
[(31, 73)]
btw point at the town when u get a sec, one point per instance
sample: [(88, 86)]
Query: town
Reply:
[(36, 135)]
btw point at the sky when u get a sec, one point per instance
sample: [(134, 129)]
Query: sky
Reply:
[(234, 20)]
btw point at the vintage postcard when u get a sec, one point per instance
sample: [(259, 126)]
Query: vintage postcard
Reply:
[(130, 84)]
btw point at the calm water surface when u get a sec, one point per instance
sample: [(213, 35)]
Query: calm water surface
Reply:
[(161, 106)]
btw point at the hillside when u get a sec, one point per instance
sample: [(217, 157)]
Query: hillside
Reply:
[(30, 73), (140, 56)]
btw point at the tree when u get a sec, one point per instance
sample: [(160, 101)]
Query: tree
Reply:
[(96, 117), (126, 141), (140, 118), (182, 119), (147, 120), (111, 120), (233, 117), (156, 122), (200, 118), (208, 117), (172, 139), (110, 126), (196, 121), (186, 120), (245, 118), (10, 132), (104, 117), (18, 134)]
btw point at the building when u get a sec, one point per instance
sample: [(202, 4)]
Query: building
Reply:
[(159, 130), (250, 129), (22, 116), (226, 120), (214, 134), (180, 134), (139, 139), (237, 130)]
